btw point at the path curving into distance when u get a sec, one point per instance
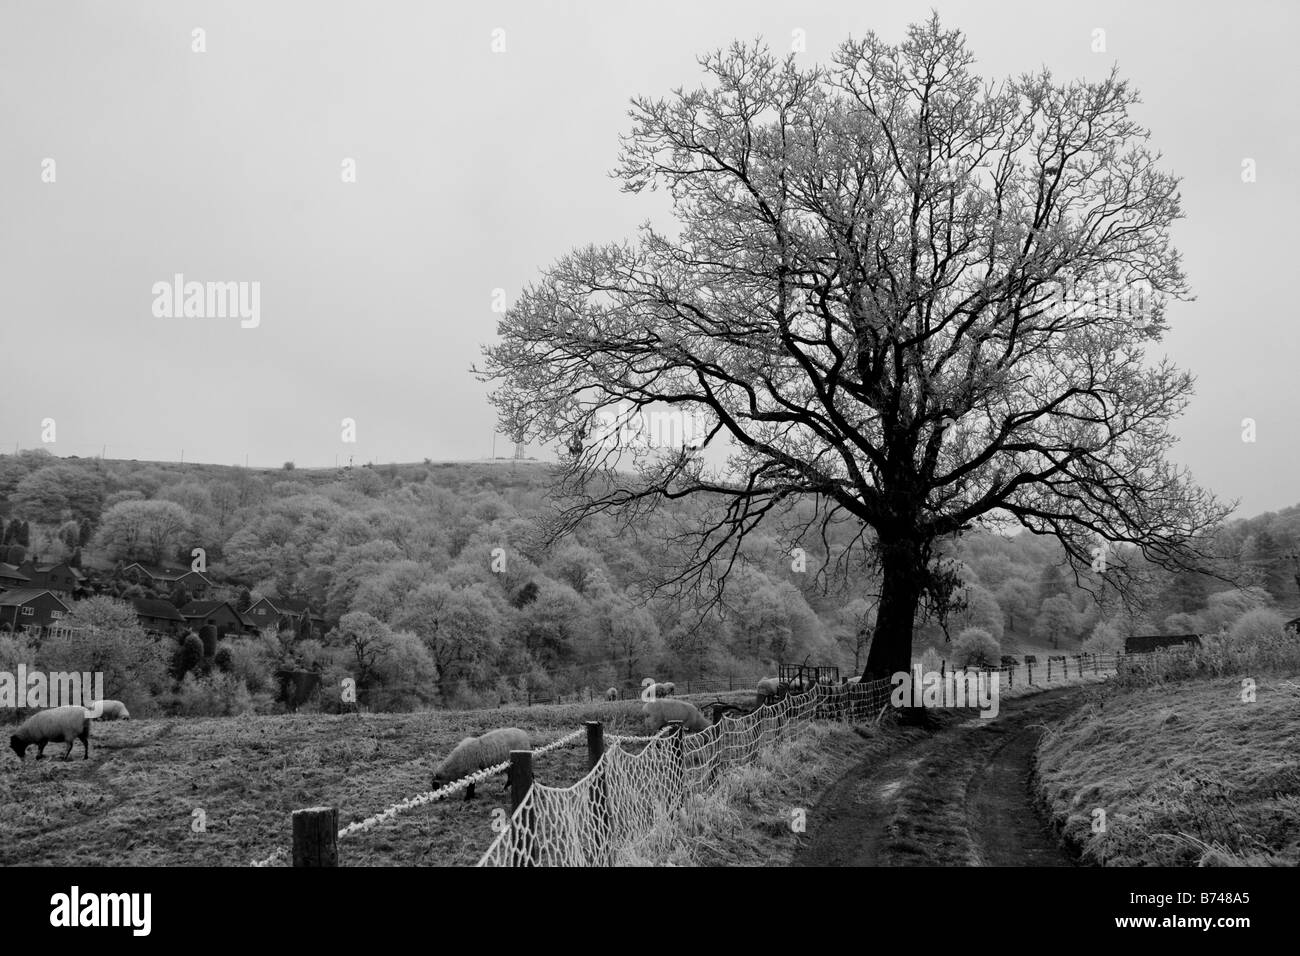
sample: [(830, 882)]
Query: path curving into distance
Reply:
[(957, 797)]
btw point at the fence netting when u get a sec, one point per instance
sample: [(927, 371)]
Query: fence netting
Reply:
[(625, 794)]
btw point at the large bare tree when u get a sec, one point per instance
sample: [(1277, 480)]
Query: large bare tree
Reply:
[(919, 299)]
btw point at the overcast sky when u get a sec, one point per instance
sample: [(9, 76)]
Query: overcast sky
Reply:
[(474, 169)]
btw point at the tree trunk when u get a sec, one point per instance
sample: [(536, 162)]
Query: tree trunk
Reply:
[(902, 570)]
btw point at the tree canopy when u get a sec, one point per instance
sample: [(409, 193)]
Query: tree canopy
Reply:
[(917, 298)]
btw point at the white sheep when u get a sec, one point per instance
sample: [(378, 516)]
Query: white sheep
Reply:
[(64, 724), (770, 688), (108, 710), (854, 680), (611, 694), (477, 753), (652, 691), (658, 713)]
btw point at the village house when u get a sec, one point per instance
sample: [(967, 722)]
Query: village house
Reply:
[(158, 615), (165, 579), (221, 614), (285, 614), (12, 577), (58, 576), (30, 608)]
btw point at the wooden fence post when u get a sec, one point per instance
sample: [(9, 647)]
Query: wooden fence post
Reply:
[(599, 795), (595, 742), (521, 781), (316, 836), (1049, 670), (678, 739), (1030, 668)]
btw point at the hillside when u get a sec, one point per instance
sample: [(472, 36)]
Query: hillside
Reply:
[(431, 587)]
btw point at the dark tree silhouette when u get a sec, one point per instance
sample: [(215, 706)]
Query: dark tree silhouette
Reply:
[(918, 299)]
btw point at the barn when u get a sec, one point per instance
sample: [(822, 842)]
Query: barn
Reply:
[(1146, 643)]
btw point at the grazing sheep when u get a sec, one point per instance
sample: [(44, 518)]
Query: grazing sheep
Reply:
[(108, 710), (770, 688), (611, 694), (799, 685), (64, 724), (659, 712), (652, 691), (476, 753)]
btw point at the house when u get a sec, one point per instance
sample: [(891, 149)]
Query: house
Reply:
[(221, 614), (1146, 643), (159, 615), (58, 576), (23, 608), (166, 579), (285, 614), (12, 577)]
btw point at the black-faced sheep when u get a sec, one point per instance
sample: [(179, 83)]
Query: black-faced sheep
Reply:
[(64, 724), (477, 753), (769, 689), (108, 710), (611, 694), (658, 713)]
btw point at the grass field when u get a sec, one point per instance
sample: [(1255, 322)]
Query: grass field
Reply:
[(1187, 774), (134, 801)]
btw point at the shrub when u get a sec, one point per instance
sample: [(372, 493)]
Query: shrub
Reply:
[(246, 660), (189, 655), (975, 647), (215, 695), (1259, 626), (1105, 639)]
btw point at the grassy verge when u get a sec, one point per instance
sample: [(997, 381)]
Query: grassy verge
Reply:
[(1186, 774)]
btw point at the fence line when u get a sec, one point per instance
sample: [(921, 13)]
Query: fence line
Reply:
[(625, 793), (623, 796), (429, 796)]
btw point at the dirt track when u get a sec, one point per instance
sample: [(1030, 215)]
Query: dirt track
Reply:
[(957, 797)]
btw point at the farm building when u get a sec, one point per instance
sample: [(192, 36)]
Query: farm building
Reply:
[(12, 577), (220, 614), (158, 615), (24, 608), (58, 576), (1146, 643)]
